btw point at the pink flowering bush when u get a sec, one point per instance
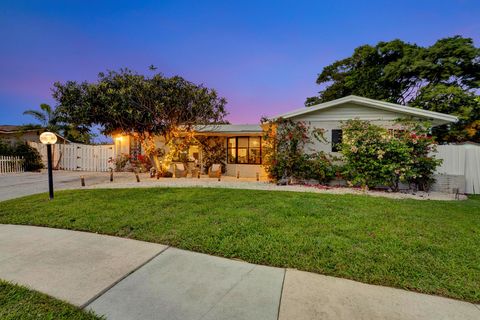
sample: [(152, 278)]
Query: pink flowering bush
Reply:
[(374, 156), (285, 153), (126, 162), (416, 137), (120, 162)]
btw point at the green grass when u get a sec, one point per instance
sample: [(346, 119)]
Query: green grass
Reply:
[(18, 302), (426, 246)]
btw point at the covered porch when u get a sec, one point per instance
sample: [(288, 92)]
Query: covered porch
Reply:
[(238, 148)]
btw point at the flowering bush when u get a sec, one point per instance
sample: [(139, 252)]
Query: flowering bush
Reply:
[(375, 156), (125, 162), (422, 145), (120, 162), (284, 151), (142, 163)]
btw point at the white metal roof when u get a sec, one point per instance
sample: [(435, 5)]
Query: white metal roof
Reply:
[(437, 117), (228, 128)]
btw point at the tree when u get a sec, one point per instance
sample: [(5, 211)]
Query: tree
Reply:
[(45, 116), (49, 120), (131, 103), (452, 99), (444, 77)]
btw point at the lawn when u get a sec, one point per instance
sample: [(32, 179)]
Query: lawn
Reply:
[(18, 302), (426, 246)]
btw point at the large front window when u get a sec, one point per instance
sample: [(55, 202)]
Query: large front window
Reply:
[(244, 150)]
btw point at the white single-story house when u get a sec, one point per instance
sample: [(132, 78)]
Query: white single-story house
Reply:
[(243, 143)]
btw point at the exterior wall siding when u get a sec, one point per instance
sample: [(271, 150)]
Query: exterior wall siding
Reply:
[(350, 111), (334, 117)]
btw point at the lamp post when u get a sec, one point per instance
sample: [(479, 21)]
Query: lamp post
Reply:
[(49, 138)]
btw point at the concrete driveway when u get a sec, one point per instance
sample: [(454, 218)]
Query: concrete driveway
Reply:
[(16, 185), (129, 279)]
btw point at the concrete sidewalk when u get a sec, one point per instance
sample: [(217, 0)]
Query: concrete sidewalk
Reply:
[(129, 279)]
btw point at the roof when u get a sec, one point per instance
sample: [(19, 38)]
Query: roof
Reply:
[(229, 128), (436, 117), (19, 129), (8, 128)]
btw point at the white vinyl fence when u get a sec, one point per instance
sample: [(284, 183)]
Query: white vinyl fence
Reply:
[(77, 156), (10, 164), (461, 160)]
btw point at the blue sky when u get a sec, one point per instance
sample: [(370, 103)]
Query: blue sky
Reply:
[(263, 56)]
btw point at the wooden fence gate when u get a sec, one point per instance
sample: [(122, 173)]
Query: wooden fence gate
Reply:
[(78, 157)]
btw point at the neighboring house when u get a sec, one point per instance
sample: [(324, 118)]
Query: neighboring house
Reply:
[(243, 143), (13, 134)]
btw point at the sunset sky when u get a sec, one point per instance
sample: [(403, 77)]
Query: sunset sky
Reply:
[(262, 56)]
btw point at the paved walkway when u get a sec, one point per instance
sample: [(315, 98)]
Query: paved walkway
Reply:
[(129, 279)]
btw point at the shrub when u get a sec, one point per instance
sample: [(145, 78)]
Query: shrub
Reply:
[(32, 158), (284, 152), (375, 156), (120, 162), (317, 166), (141, 164), (416, 136), (6, 148), (322, 167)]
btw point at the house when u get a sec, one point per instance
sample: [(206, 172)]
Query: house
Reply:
[(13, 134), (242, 144), (330, 115)]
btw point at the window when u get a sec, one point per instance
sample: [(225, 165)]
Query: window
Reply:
[(244, 150), (254, 150), (232, 150), (336, 140)]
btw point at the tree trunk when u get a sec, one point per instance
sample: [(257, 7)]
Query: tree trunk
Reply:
[(150, 148)]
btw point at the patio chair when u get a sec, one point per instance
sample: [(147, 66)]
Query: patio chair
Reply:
[(180, 170), (195, 172), (215, 171)]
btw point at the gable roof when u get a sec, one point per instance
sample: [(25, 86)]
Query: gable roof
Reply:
[(8, 128), (436, 117)]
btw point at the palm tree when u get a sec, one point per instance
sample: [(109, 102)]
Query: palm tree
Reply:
[(45, 116), (49, 121)]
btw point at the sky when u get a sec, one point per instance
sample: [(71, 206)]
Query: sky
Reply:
[(262, 56)]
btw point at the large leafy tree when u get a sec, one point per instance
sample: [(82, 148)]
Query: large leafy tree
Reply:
[(147, 106), (444, 77)]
